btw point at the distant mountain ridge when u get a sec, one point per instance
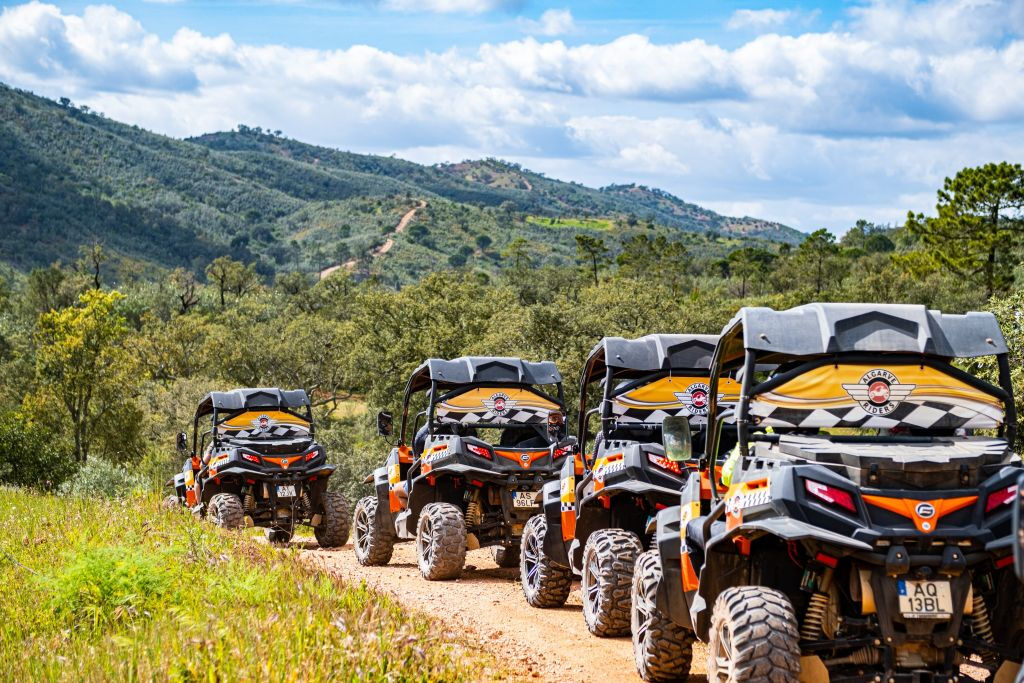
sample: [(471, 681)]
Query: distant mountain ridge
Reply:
[(69, 177)]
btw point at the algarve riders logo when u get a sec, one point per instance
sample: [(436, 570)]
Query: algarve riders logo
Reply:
[(879, 392), (262, 425), (695, 398), (499, 404)]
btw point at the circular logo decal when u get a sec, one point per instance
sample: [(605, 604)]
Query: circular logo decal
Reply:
[(925, 510), (499, 404), (697, 398), (879, 392), (525, 457)]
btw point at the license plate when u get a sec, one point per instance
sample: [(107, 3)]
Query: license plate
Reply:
[(285, 491), (523, 499), (925, 599)]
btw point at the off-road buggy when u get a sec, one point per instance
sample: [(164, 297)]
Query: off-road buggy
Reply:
[(253, 455), (866, 536), (488, 438), (599, 516)]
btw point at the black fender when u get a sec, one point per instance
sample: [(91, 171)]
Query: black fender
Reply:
[(670, 598), (551, 502), (178, 482), (385, 520)]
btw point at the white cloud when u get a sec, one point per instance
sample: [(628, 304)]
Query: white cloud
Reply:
[(862, 118), (554, 22), (758, 19)]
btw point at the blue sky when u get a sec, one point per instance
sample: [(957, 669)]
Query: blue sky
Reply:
[(811, 114)]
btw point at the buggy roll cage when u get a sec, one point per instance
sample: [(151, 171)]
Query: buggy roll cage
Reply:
[(444, 379), (821, 334), (640, 361), (240, 401)]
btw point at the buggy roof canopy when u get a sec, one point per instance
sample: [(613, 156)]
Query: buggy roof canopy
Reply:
[(482, 370), (651, 353), (252, 399), (821, 329)]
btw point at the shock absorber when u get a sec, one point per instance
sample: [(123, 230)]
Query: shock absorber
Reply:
[(474, 511), (249, 503), (814, 619), (981, 625)]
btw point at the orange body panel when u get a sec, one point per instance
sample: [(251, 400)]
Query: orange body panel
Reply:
[(912, 509), (283, 463), (518, 456)]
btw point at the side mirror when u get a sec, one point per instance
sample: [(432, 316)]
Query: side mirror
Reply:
[(1018, 530), (385, 424), (677, 439), (181, 443)]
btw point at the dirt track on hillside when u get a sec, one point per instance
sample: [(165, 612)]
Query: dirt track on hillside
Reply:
[(487, 604), (403, 223)]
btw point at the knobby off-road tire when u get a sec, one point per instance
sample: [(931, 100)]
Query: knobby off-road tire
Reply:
[(441, 542), (505, 557), (662, 649), (607, 581), (170, 503), (226, 511), (754, 637), (373, 544), (335, 522), (545, 582)]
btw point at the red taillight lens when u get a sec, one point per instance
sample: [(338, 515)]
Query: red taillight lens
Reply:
[(311, 455), (666, 464), (561, 452), (830, 495), (478, 450), (1001, 497), (251, 458)]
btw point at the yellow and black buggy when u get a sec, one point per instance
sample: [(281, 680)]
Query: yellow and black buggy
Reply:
[(253, 454), (598, 517), (491, 433), (865, 532)]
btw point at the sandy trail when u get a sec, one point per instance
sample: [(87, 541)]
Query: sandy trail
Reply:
[(384, 248), (488, 604)]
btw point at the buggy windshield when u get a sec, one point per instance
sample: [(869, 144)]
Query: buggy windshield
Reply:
[(893, 394), (263, 425), (482, 406), (649, 400)]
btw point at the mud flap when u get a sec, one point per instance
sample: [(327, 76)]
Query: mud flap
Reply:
[(385, 520), (670, 598), (554, 547)]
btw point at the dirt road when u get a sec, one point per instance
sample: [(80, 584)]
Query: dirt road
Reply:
[(403, 223), (487, 603)]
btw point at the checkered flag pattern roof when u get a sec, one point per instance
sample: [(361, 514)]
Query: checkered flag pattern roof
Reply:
[(515, 415), (642, 415), (924, 414), (275, 432)]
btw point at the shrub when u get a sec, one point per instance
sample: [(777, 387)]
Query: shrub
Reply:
[(99, 478), (30, 455), (109, 585)]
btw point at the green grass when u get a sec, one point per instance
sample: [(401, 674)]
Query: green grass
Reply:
[(573, 223), (125, 590)]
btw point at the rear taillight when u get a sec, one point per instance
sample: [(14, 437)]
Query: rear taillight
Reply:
[(830, 495), (479, 450), (666, 464), (1000, 498), (311, 455), (561, 452), (251, 458)]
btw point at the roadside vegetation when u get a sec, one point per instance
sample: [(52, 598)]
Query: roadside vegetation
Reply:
[(99, 370), (121, 589)]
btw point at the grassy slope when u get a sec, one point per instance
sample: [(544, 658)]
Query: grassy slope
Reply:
[(69, 178), (125, 590)]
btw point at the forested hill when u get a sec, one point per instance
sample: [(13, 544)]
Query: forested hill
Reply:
[(70, 177)]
